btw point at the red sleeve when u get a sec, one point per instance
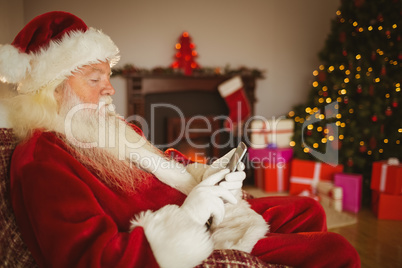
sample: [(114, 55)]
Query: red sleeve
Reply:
[(63, 222)]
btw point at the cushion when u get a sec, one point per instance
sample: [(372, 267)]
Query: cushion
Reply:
[(13, 252)]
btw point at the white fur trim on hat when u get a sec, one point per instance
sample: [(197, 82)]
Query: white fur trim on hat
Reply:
[(58, 60), (176, 240), (13, 64)]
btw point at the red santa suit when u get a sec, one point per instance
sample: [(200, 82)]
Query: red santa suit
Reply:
[(69, 218)]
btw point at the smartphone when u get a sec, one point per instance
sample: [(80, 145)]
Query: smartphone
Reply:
[(234, 161), (237, 157)]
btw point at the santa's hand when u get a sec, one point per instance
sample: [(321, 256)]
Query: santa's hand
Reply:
[(207, 199), (234, 180)]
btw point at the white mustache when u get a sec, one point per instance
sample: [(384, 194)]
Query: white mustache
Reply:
[(106, 105)]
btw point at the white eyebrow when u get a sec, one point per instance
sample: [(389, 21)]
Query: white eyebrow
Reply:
[(100, 70)]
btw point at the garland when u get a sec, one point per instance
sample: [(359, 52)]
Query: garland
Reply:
[(130, 69)]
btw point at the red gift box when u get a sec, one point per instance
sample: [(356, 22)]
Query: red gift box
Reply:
[(386, 177), (306, 174), (259, 175), (386, 206), (277, 178), (271, 168)]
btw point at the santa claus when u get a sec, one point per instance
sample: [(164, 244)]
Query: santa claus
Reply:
[(89, 190)]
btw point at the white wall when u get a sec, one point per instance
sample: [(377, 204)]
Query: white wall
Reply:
[(11, 19), (11, 22), (282, 37)]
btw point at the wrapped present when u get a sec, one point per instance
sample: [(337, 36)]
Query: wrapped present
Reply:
[(386, 206), (276, 177), (352, 190), (270, 155), (330, 195), (271, 168), (305, 175), (276, 133), (259, 175), (386, 177)]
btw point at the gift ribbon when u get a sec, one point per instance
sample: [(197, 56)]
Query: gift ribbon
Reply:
[(279, 175), (383, 178), (262, 131), (313, 182)]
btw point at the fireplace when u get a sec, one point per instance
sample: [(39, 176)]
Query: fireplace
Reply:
[(170, 103)]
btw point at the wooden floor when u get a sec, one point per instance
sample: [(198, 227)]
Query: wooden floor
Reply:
[(378, 242)]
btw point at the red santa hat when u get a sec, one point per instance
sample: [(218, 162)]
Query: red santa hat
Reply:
[(50, 47)]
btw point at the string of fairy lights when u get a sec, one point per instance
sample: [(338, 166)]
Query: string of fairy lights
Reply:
[(343, 90)]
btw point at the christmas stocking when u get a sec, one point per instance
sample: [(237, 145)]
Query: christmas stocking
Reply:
[(235, 97)]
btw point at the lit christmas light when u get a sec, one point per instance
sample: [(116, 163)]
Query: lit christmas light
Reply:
[(185, 56), (292, 143)]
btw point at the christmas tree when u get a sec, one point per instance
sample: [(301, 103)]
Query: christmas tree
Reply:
[(360, 75), (185, 55)]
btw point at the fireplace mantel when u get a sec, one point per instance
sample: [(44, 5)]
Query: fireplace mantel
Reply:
[(138, 86)]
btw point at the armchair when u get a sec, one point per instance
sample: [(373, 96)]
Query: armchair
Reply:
[(14, 253)]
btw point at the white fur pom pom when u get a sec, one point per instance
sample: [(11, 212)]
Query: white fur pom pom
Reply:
[(13, 64)]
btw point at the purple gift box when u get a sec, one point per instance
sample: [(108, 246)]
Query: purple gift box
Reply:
[(352, 190), (270, 155)]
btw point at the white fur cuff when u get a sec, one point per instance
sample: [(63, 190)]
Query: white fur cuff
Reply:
[(176, 240)]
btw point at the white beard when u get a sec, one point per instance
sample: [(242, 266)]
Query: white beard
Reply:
[(98, 129)]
